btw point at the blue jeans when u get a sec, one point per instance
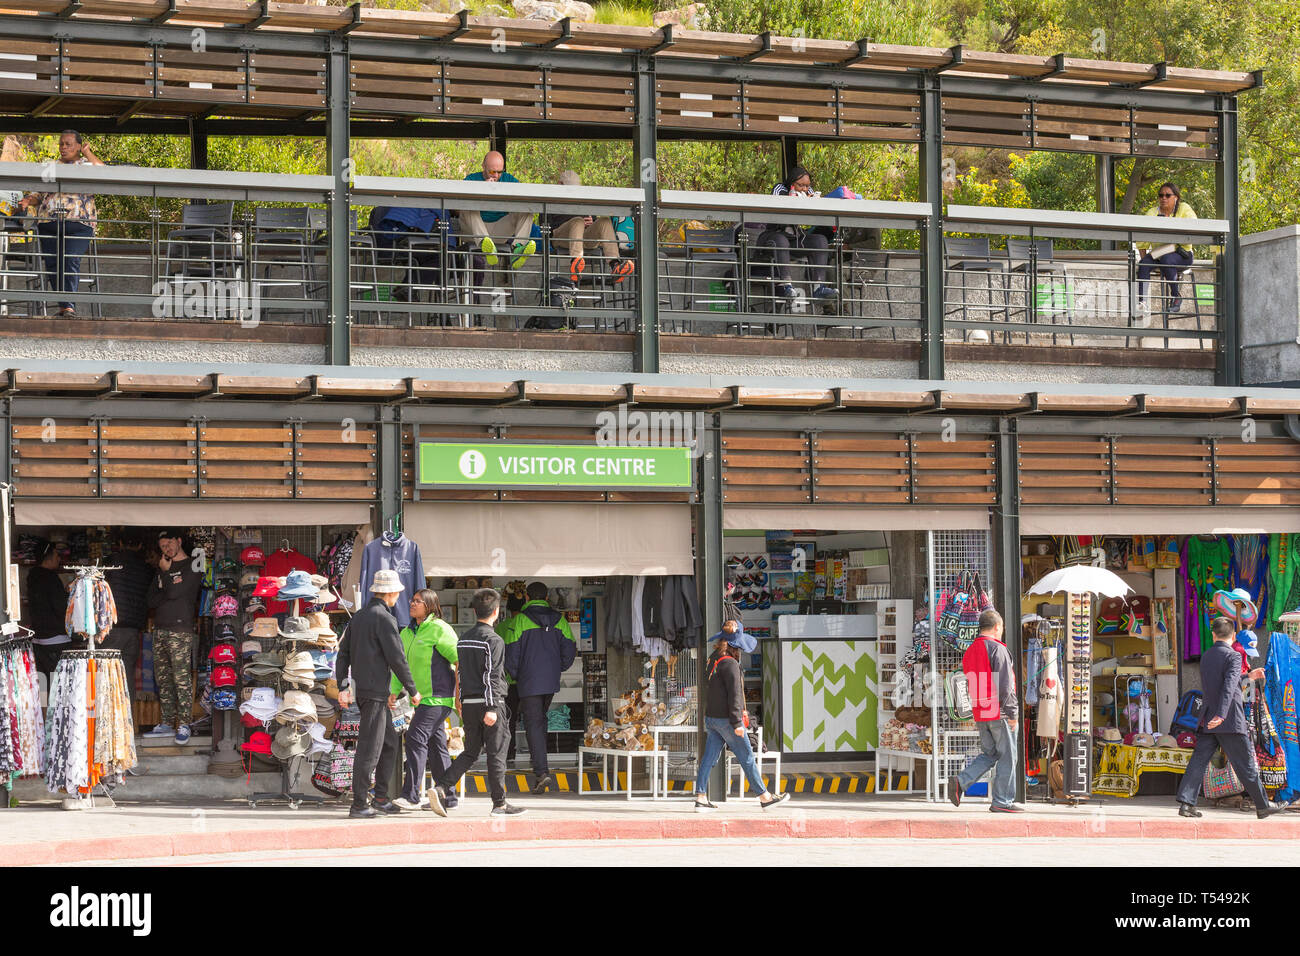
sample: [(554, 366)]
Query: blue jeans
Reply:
[(722, 734), (75, 236), (1169, 266), (997, 749)]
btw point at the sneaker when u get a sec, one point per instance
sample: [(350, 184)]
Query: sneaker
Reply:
[(824, 292), (362, 813), (183, 734), (785, 290), (1187, 810), (954, 791), (489, 250), (577, 266), (1009, 808), (507, 810), (1176, 306), (404, 804), (161, 730), (705, 805), (451, 803), (522, 251), (435, 801), (387, 806), (544, 783), (778, 799), (622, 269)]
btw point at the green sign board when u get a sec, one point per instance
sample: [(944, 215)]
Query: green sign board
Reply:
[(499, 465)]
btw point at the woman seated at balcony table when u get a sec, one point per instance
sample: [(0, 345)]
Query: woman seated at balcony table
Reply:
[(809, 243), (1169, 259), (67, 219), (406, 222)]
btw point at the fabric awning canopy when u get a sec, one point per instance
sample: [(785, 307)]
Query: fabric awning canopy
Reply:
[(149, 513), (1122, 520), (563, 539), (851, 518)]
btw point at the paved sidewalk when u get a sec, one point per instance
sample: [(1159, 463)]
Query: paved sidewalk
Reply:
[(44, 833)]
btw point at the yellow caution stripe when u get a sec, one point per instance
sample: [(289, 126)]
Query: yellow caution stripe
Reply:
[(566, 781)]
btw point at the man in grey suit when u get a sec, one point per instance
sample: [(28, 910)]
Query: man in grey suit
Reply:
[(1223, 724)]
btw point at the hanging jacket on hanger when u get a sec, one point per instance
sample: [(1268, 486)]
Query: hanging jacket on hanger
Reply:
[(394, 552)]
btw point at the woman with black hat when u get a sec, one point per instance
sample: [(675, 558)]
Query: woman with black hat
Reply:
[(725, 719)]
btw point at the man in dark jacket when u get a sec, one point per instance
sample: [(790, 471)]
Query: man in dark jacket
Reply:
[(47, 605), (1223, 724), (481, 696), (130, 587), (991, 680), (372, 649), (174, 600), (539, 647)]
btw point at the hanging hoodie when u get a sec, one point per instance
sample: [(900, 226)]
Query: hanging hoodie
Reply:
[(394, 552)]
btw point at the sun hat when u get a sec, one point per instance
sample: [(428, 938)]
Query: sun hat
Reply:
[(296, 629), (225, 606), (290, 742), (265, 627), (297, 586), (323, 593), (222, 654), (1225, 603), (267, 587), (1110, 735), (746, 642), (251, 720), (326, 709), (224, 676), (318, 619), (319, 581), (386, 582), (325, 638), (1249, 642), (259, 743), (222, 700), (322, 662), (252, 557), (249, 648), (261, 700), (300, 670), (296, 706), (319, 743)]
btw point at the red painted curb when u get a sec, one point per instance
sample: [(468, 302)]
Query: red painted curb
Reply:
[(792, 823)]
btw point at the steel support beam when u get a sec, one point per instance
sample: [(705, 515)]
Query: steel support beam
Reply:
[(1105, 168), (338, 149), (388, 457), (789, 155), (198, 147), (1006, 557), (709, 569), (644, 157), (930, 159), (1227, 197)]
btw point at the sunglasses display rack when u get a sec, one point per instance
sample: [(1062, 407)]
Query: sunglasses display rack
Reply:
[(1078, 700)]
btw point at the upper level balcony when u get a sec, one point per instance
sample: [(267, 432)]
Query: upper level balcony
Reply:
[(311, 269)]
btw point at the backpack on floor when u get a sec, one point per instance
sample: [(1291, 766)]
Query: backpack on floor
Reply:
[(1187, 718)]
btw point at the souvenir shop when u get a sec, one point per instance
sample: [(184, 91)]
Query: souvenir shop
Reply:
[(1111, 667)]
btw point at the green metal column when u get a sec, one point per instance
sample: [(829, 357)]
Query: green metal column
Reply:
[(646, 355), (1006, 556), (930, 157), (1227, 198), (709, 569), (337, 149)]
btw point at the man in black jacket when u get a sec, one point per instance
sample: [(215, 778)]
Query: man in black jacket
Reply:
[(1223, 724), (481, 696), (130, 587), (372, 648)]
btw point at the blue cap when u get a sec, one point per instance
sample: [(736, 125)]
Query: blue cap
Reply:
[(1250, 642), (746, 642)]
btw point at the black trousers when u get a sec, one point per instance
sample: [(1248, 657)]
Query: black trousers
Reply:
[(376, 752), (512, 701), (126, 640), (810, 245), (426, 745), (534, 711), (478, 735), (1241, 755)]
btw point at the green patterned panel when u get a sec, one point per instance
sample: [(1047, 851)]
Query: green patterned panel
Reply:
[(829, 697), (771, 652)]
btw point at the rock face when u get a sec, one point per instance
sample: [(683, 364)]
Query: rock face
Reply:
[(693, 16), (554, 10)]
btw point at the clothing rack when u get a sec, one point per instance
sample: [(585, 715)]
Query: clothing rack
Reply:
[(96, 784), (7, 640)]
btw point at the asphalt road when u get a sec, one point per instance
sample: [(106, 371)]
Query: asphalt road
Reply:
[(770, 853)]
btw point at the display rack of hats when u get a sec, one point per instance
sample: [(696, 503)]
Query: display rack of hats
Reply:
[(289, 705)]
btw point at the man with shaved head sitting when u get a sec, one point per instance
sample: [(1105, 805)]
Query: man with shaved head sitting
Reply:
[(490, 231)]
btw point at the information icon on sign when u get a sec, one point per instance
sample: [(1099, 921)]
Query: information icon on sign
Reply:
[(473, 464)]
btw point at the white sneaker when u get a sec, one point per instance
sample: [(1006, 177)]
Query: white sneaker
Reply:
[(183, 734), (162, 730), (405, 804)]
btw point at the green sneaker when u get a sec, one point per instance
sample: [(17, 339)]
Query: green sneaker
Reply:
[(489, 250), (522, 251)]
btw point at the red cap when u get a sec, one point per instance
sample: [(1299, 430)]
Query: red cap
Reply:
[(259, 743), (1186, 739), (224, 676), (268, 587), (248, 720), (252, 556), (223, 654)]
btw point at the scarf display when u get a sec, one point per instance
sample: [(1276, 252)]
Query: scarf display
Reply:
[(91, 610), (89, 733), (22, 740), (1208, 567)]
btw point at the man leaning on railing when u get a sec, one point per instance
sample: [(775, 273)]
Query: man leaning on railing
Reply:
[(67, 219)]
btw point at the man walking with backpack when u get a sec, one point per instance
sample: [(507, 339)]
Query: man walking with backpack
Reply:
[(539, 647), (991, 679)]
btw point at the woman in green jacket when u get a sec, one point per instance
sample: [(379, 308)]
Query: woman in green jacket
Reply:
[(430, 645)]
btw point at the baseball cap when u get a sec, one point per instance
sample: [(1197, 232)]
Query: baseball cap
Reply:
[(252, 556), (223, 654), (224, 676), (249, 648), (225, 606), (267, 587)]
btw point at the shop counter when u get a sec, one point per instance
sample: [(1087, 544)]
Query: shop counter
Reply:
[(1120, 768)]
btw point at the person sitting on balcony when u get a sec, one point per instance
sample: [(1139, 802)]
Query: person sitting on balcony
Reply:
[(810, 243), (573, 234), (1169, 259), (399, 222), (66, 219), (487, 229)]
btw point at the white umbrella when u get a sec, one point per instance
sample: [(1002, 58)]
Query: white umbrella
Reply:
[(1081, 579)]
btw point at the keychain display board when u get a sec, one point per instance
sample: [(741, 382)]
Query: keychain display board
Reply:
[(1078, 676)]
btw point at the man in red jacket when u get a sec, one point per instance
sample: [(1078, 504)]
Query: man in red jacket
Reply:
[(992, 682)]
